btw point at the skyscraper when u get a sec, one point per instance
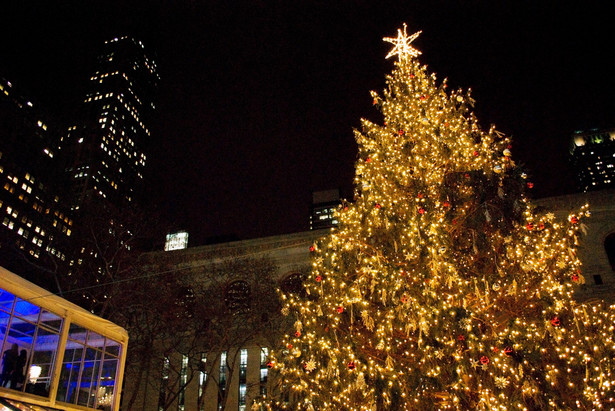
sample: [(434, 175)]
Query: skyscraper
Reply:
[(36, 226), (593, 159), (322, 210), (106, 146)]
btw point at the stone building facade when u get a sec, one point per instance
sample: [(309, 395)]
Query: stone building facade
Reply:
[(290, 253), (597, 245), (291, 256)]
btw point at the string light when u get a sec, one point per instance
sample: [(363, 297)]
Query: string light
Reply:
[(443, 285)]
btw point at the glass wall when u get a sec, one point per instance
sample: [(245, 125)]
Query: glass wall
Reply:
[(89, 368), (30, 338), (50, 356)]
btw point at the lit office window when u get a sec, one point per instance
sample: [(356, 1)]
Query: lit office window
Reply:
[(222, 379), (243, 371), (163, 384), (183, 380), (264, 370)]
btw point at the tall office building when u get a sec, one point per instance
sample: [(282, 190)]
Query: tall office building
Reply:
[(593, 159), (322, 210), (36, 225), (106, 146)]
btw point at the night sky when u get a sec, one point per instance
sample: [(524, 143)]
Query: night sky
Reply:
[(258, 99)]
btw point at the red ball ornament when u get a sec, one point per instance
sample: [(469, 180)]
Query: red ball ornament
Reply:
[(340, 309), (475, 153), (404, 299), (411, 75), (319, 278), (541, 226), (484, 360), (529, 226), (530, 185), (446, 204), (312, 248), (466, 175), (424, 97), (289, 346), (421, 210), (574, 219), (508, 351), (575, 277), (368, 160), (420, 195), (298, 334), (495, 349), (378, 206), (270, 364), (375, 101), (555, 321), (351, 365), (461, 337), (401, 132)]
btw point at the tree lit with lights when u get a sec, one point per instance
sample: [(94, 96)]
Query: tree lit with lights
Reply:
[(443, 286)]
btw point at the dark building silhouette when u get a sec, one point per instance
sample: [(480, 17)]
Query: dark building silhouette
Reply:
[(322, 210), (593, 159), (106, 146), (36, 225), (105, 150), (56, 188)]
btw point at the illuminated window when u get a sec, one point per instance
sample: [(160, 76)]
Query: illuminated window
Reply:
[(222, 378), (183, 380), (243, 371), (237, 296), (162, 393), (264, 370)]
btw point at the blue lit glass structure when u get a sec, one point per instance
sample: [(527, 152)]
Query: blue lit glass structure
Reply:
[(54, 353)]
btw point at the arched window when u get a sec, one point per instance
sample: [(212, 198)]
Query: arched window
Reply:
[(293, 283), (237, 296), (609, 246)]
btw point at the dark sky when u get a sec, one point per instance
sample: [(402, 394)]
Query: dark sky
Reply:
[(258, 99)]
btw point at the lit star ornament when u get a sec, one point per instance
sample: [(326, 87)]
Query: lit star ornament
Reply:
[(402, 48)]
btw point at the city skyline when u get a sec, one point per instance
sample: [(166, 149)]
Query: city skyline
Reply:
[(258, 100)]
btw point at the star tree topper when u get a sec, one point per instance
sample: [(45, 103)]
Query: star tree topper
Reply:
[(402, 48)]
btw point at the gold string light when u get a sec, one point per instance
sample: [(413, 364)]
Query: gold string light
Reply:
[(443, 287)]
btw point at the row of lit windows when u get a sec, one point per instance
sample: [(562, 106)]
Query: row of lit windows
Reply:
[(120, 143), (33, 251), (134, 95), (222, 377), (14, 213), (36, 206), (51, 250), (132, 111), (118, 151), (97, 96), (102, 76), (112, 153), (115, 39)]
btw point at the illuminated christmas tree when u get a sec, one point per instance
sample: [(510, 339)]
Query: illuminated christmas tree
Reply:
[(443, 286)]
